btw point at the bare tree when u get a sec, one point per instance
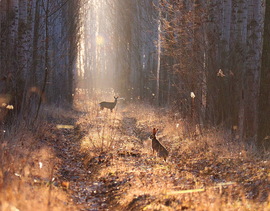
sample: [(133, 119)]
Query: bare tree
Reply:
[(29, 33)]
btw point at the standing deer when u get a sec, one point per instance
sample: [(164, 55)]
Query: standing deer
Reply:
[(108, 105), (157, 146)]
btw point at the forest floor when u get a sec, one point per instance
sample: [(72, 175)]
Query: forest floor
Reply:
[(100, 160)]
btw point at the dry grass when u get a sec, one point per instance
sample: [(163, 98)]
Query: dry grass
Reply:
[(27, 171), (217, 172), (105, 161)]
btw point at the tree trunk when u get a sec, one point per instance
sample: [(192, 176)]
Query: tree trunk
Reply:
[(251, 76), (264, 99), (158, 58)]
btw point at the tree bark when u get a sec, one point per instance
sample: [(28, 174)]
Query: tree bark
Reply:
[(251, 76), (264, 98)]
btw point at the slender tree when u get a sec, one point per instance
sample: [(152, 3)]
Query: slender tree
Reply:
[(264, 99)]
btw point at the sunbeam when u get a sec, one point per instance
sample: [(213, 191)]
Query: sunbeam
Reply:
[(96, 61)]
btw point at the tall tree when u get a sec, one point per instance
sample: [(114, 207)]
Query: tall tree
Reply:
[(33, 34), (264, 99), (252, 71)]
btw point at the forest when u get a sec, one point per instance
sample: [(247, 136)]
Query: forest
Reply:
[(134, 105)]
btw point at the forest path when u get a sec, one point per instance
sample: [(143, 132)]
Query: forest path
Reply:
[(101, 160), (106, 163)]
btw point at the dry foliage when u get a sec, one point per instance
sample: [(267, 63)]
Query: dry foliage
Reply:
[(27, 172), (103, 160)]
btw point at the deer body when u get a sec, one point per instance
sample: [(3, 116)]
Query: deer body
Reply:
[(158, 147), (108, 105)]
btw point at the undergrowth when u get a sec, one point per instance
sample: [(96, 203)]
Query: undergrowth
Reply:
[(93, 159), (28, 165), (207, 169)]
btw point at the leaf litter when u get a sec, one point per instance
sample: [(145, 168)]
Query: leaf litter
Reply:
[(117, 170), (104, 161)]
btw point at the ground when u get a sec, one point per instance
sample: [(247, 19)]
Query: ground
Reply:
[(87, 159)]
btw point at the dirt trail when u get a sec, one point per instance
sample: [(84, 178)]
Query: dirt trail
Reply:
[(102, 160), (106, 163), (97, 180)]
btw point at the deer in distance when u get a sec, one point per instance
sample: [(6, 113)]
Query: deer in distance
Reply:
[(108, 105), (157, 146)]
